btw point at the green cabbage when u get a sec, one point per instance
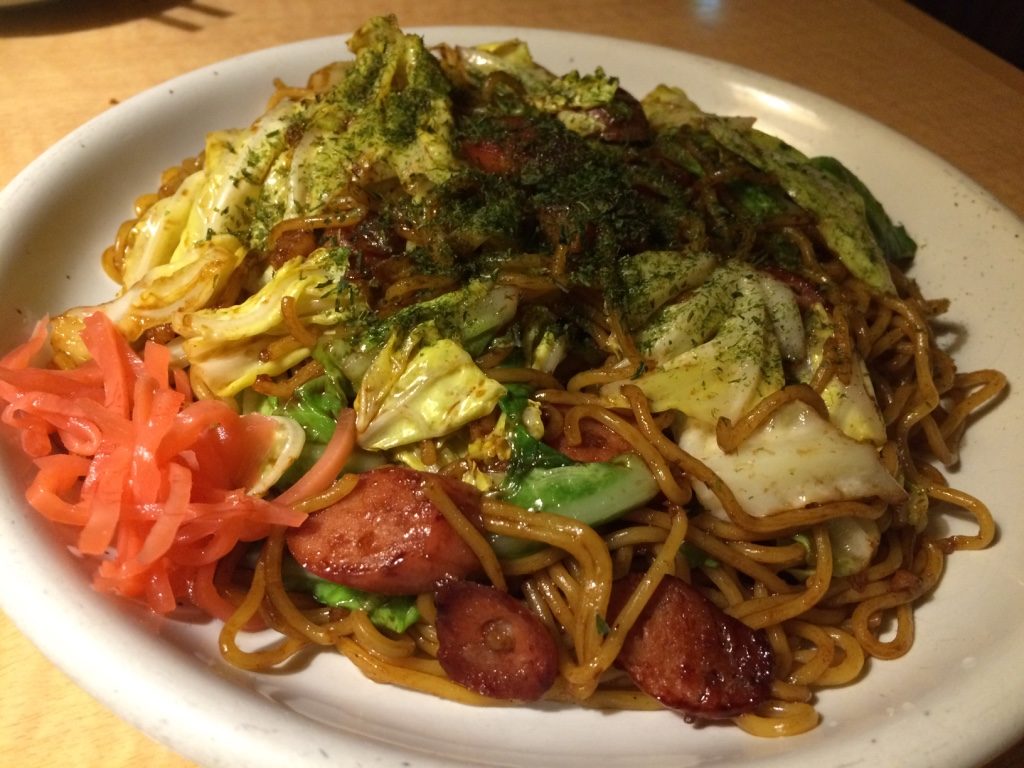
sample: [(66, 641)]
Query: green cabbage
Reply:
[(718, 350), (850, 220), (798, 458), (414, 392), (164, 293), (852, 406)]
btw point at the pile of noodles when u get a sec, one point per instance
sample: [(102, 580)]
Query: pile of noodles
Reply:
[(822, 629)]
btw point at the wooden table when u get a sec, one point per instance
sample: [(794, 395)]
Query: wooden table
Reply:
[(61, 63)]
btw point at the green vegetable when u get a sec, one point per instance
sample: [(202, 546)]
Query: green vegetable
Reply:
[(390, 116), (840, 209), (470, 315), (697, 558), (899, 247), (541, 479), (159, 230), (528, 453), (837, 200), (852, 406), (226, 345), (315, 407), (718, 350), (316, 404), (569, 97), (592, 492), (236, 164), (394, 613), (407, 396), (853, 542), (652, 279)]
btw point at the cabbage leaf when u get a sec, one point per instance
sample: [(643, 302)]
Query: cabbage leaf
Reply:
[(412, 392), (717, 351), (797, 458)]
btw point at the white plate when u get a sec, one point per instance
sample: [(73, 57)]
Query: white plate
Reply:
[(953, 701)]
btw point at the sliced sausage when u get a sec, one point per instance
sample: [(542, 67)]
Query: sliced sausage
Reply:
[(291, 243), (489, 156), (492, 644), (623, 120), (502, 152), (597, 443), (387, 537), (690, 655)]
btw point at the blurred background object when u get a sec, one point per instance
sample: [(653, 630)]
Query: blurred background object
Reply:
[(997, 25)]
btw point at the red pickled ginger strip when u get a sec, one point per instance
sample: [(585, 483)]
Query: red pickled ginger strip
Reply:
[(154, 481)]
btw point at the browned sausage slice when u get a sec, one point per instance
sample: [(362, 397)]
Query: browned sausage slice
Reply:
[(492, 644), (597, 443), (387, 537), (489, 156), (623, 121), (690, 655)]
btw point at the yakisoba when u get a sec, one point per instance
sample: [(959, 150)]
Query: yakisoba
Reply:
[(508, 386)]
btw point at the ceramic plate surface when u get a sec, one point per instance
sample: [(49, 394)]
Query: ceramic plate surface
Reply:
[(953, 701)]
